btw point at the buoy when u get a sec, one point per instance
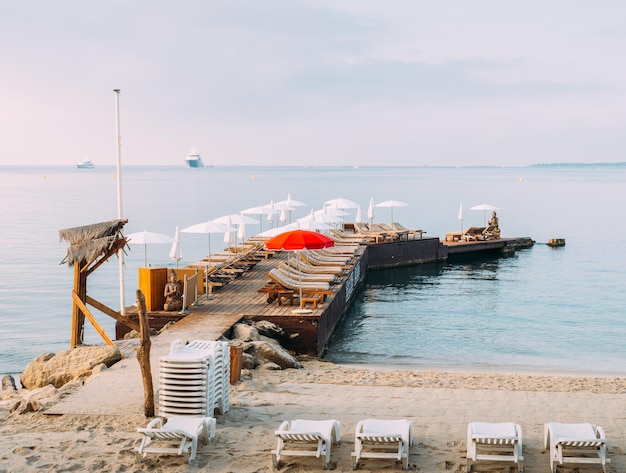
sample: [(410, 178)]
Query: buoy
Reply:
[(554, 242), (521, 179), (253, 177)]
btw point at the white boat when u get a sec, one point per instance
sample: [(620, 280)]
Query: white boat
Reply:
[(86, 164), (194, 160)]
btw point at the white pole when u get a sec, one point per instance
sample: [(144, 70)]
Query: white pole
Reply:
[(120, 252)]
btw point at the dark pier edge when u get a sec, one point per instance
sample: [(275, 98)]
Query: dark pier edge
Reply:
[(310, 333)]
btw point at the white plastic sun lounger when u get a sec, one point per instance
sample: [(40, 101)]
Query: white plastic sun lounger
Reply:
[(576, 443), (307, 438), (382, 439), (178, 435), (494, 442)]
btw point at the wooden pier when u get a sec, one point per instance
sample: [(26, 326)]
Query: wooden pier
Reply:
[(307, 333)]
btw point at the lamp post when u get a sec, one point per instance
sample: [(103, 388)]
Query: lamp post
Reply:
[(120, 252)]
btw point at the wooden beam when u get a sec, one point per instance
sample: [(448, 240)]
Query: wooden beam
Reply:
[(81, 305), (105, 256), (111, 313)]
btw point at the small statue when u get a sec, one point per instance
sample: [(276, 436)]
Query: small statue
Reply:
[(173, 293), (494, 220)]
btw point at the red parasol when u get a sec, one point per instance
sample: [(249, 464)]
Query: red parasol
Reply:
[(299, 240)]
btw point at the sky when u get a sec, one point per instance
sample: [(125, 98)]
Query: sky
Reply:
[(328, 82)]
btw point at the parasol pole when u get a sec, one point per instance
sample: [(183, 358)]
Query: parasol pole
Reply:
[(120, 252)]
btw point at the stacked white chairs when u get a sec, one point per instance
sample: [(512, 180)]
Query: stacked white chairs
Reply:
[(194, 379), (494, 442), (576, 444)]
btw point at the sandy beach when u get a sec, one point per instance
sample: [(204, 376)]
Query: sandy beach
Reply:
[(439, 404)]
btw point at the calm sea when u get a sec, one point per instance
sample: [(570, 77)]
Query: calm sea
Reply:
[(540, 309)]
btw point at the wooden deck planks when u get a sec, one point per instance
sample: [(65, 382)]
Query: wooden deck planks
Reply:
[(240, 298)]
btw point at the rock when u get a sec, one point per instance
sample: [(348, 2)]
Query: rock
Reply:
[(41, 394), (25, 407), (247, 362), (8, 384), (66, 366), (132, 334), (264, 352), (270, 330), (245, 333)]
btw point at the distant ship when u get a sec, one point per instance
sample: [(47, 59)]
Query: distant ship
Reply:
[(194, 160), (86, 164)]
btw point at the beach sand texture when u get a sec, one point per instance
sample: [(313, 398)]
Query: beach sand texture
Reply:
[(439, 404)]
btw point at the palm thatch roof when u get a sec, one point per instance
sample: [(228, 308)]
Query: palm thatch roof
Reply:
[(90, 241)]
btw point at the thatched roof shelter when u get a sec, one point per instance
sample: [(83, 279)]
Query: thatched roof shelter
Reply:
[(91, 241)]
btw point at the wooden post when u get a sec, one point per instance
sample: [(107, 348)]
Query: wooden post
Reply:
[(143, 355), (78, 316)]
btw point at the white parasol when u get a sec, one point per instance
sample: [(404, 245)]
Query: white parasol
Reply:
[(391, 204), (260, 211), (208, 228), (176, 252), (370, 210), (146, 238), (484, 208)]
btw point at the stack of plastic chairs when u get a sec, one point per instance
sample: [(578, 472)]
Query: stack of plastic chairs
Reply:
[(194, 379)]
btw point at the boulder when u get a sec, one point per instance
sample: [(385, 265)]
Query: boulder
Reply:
[(245, 332), (65, 366), (247, 361), (270, 330), (265, 352), (8, 384)]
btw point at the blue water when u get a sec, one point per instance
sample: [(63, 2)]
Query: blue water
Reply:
[(540, 309)]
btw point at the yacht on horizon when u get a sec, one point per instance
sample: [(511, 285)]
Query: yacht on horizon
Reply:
[(86, 164), (193, 159)]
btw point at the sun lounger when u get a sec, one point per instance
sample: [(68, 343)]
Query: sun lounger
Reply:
[(473, 234), (277, 293), (576, 444), (315, 257), (313, 269), (494, 442), (349, 238), (321, 289), (382, 439), (365, 231), (306, 277), (396, 234), (412, 233), (178, 435), (293, 283), (491, 232), (308, 438)]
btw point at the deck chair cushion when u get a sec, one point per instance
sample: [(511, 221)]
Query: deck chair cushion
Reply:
[(485, 431)]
